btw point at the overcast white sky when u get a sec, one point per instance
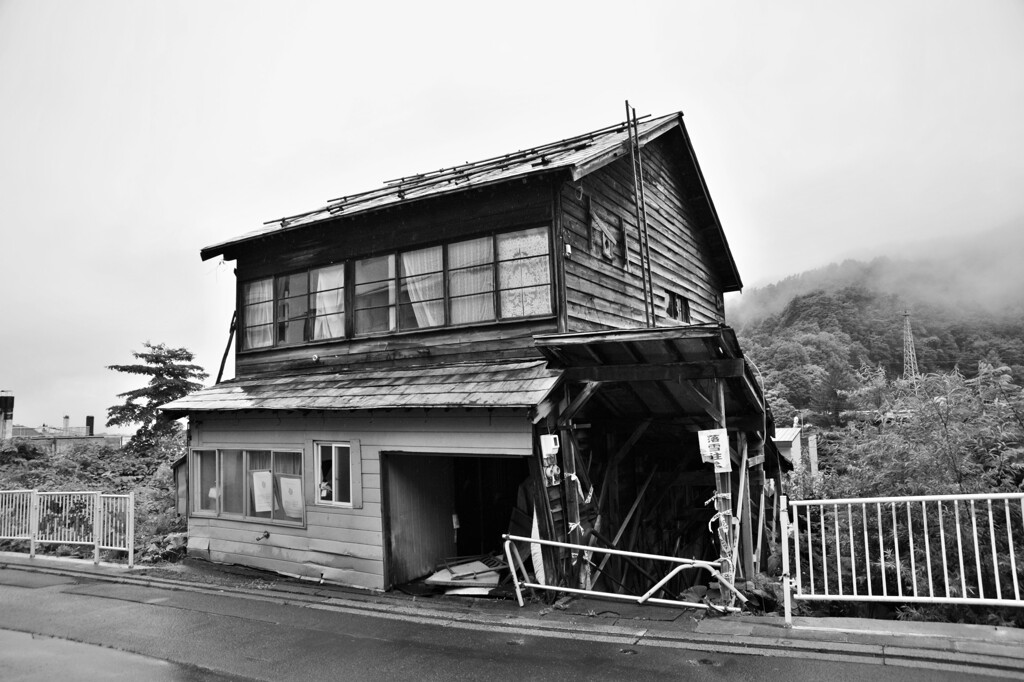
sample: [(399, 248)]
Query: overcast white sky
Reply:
[(134, 133)]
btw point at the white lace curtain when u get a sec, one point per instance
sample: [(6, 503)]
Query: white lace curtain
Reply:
[(523, 273), (471, 281), (259, 313), (422, 280), (329, 285)]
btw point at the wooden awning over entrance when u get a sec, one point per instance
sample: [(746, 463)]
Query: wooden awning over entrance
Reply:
[(667, 373)]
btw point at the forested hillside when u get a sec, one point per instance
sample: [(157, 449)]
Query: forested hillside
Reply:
[(808, 334)]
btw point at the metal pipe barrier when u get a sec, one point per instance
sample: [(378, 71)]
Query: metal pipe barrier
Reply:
[(929, 549), (680, 564), (106, 522)]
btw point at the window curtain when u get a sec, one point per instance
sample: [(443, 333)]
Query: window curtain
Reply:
[(471, 281), (259, 313), (523, 273), (330, 303), (422, 281)]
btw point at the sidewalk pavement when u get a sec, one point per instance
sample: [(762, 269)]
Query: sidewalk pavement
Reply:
[(972, 649)]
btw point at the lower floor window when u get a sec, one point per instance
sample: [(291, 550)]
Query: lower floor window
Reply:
[(264, 485), (335, 468)]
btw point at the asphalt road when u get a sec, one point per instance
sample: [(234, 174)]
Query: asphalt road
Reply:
[(107, 630)]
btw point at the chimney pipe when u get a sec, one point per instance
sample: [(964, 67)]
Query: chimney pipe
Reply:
[(90, 424), (6, 415)]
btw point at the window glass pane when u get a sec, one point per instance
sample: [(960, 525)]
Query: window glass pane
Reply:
[(292, 306), (375, 295), (523, 244), (258, 312), (421, 289), (328, 284), (205, 488), (471, 281), (469, 253), (231, 481), (289, 502), (326, 466), (335, 483), (261, 484), (524, 273), (525, 302), (343, 475)]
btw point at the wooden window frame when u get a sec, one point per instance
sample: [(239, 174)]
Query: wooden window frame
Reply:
[(244, 516), (396, 281), (355, 473)]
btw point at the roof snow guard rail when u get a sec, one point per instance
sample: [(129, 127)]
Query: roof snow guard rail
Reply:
[(515, 561)]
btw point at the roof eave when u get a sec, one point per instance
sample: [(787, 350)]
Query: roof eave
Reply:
[(227, 248)]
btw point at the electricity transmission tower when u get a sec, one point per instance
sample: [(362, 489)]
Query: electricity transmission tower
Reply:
[(909, 355)]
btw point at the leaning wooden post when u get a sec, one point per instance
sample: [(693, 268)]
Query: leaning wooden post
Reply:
[(572, 500), (723, 507)]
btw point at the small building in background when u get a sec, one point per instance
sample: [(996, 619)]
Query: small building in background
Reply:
[(58, 440), (789, 442)]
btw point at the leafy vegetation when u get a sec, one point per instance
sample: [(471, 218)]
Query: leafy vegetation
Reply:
[(828, 346), (142, 466)]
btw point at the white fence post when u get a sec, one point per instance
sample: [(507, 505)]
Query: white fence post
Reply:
[(130, 530), (33, 524), (786, 587), (97, 527)]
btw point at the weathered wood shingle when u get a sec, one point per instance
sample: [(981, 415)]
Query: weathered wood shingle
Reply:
[(487, 385)]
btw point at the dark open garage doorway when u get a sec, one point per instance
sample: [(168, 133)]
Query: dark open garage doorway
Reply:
[(438, 506)]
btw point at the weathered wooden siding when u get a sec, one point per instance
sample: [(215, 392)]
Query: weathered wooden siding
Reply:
[(496, 341), (477, 212), (340, 544), (601, 294)]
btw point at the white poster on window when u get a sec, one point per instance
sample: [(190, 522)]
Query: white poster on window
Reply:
[(291, 495), (262, 491), (714, 448)]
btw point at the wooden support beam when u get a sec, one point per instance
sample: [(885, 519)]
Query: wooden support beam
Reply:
[(625, 523), (673, 371), (723, 507), (577, 404), (713, 411)]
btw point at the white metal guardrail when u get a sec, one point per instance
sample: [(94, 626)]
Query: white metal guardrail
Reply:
[(677, 564), (938, 549), (69, 518)]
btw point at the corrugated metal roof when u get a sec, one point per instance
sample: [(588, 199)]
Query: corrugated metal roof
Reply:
[(786, 435), (581, 155), (487, 385)]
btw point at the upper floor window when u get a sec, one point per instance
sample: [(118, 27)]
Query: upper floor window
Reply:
[(504, 276)]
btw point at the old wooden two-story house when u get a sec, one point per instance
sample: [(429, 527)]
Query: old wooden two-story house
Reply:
[(401, 352)]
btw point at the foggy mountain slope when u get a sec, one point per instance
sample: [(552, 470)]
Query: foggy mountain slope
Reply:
[(966, 304), (981, 275)]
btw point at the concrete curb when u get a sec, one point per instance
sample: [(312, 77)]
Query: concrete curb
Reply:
[(970, 649)]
